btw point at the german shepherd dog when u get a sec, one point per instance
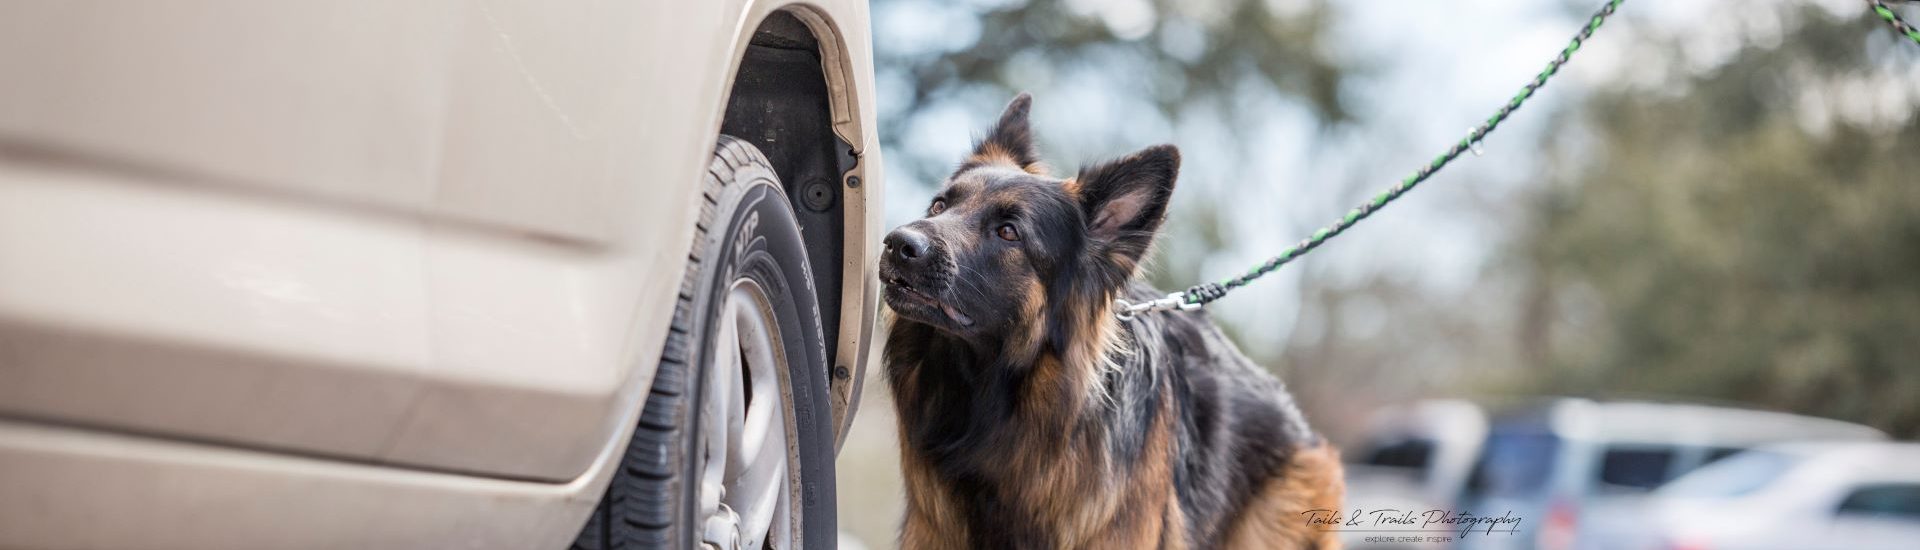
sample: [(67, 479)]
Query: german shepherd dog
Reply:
[(1032, 417)]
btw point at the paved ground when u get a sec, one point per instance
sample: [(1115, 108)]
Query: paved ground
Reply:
[(870, 491)]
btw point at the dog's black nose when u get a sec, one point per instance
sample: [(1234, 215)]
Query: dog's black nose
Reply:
[(907, 246)]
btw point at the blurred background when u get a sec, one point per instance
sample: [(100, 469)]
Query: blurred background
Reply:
[(1700, 242)]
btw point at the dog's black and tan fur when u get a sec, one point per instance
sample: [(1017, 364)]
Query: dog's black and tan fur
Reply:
[(1030, 417)]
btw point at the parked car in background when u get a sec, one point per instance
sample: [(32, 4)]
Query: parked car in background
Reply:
[(1416, 456), (488, 274), (1798, 496), (1571, 469)]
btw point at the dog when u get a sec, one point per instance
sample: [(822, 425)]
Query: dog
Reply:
[(1031, 416)]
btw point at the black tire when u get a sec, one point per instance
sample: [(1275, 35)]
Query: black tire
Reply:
[(651, 502)]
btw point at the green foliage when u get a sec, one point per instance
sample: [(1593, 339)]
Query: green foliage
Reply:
[(1753, 237)]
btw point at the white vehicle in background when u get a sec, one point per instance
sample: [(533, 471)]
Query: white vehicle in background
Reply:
[(1417, 457), (1576, 471), (432, 274), (1800, 496)]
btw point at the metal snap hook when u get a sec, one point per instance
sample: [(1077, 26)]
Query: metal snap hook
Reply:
[(1125, 308)]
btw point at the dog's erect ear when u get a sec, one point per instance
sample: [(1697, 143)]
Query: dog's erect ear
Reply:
[(1125, 200), (1010, 142)]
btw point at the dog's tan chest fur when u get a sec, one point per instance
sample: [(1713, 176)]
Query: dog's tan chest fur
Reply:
[(1080, 497)]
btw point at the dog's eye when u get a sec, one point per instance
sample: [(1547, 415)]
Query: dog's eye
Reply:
[(937, 207), (1008, 232)]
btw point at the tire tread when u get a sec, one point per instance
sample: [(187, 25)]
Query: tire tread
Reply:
[(638, 508)]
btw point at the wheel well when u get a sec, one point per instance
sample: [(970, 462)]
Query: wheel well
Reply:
[(780, 103)]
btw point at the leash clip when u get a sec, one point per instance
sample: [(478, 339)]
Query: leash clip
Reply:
[(1172, 301)]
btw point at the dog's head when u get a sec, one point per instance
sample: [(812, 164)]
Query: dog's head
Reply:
[(1009, 257)]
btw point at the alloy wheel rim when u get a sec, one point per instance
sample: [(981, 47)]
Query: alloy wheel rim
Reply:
[(746, 479)]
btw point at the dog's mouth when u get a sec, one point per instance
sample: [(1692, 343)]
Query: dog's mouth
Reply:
[(910, 301)]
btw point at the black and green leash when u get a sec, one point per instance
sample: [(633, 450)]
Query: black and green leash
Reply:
[(1199, 295), (1886, 13)]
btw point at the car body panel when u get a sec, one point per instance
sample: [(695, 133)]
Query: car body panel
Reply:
[(77, 488), (446, 235)]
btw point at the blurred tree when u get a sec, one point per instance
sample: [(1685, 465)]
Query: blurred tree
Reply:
[(1740, 226), (1177, 55), (1749, 232)]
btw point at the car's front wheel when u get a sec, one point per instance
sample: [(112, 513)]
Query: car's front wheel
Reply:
[(734, 448)]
